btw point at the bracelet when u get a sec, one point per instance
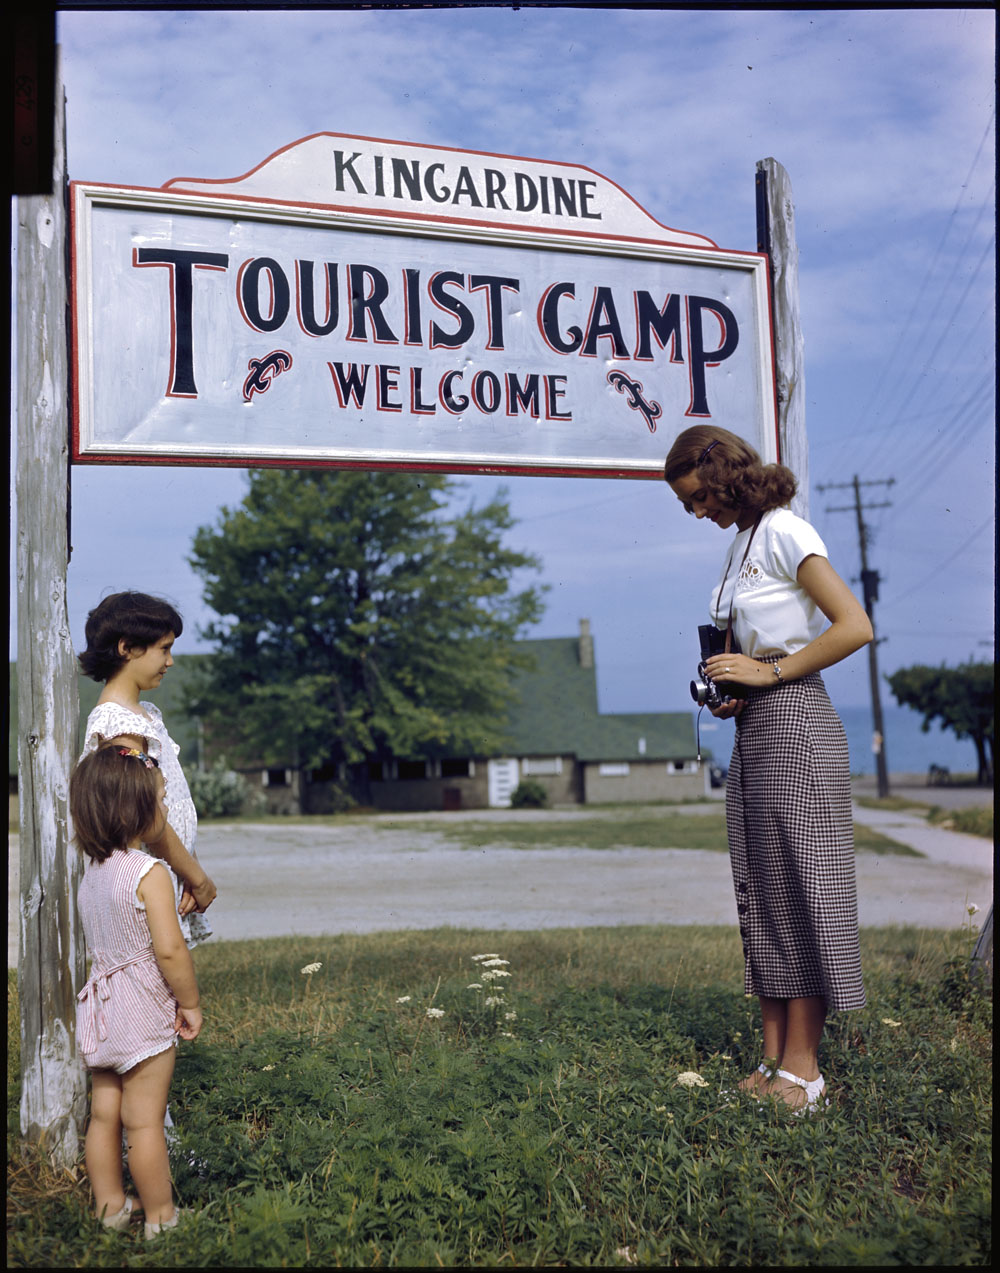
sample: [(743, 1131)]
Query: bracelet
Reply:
[(777, 673)]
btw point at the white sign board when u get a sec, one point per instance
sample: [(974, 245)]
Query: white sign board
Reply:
[(353, 302)]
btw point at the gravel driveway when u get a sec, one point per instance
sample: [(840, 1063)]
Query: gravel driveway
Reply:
[(370, 875)]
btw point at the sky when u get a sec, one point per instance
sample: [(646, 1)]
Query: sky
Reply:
[(884, 120)]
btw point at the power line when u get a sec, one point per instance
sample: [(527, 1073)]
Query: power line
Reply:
[(930, 268), (925, 579)]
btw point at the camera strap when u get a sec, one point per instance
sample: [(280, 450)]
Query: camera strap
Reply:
[(746, 554)]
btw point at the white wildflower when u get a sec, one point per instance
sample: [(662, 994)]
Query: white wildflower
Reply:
[(309, 969), (625, 1253), (268, 1069), (691, 1078), (491, 974), (495, 963), (474, 985), (510, 1016), (972, 908), (660, 1109), (889, 1021), (404, 998), (493, 1001), (479, 958), (506, 1034), (435, 1012)]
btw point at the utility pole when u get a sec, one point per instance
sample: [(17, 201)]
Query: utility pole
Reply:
[(869, 584)]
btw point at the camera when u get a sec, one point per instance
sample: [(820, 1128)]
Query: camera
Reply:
[(705, 691)]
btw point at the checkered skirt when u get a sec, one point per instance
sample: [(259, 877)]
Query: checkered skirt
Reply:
[(791, 845)]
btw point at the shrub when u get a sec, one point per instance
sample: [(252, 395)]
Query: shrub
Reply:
[(529, 795), (219, 792)]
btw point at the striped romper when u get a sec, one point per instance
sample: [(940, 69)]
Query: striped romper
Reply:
[(126, 1011)]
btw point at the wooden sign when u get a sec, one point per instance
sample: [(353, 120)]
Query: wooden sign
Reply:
[(358, 302)]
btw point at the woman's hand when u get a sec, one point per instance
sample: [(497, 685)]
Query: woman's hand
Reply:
[(731, 707), (738, 669)]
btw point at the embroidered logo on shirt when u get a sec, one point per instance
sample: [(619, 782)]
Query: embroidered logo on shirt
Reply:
[(750, 576)]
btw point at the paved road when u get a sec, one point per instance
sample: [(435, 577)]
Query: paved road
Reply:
[(317, 880)]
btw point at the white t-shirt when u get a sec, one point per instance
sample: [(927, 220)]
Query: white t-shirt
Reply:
[(772, 612)]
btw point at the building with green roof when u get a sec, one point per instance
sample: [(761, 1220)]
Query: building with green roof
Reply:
[(555, 736)]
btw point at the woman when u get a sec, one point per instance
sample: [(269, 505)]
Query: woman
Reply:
[(788, 797)]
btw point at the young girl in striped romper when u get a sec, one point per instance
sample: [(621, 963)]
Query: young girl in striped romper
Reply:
[(788, 615), (142, 991)]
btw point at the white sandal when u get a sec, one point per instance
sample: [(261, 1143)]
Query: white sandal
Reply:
[(748, 1091), (814, 1092), (152, 1227), (121, 1219)]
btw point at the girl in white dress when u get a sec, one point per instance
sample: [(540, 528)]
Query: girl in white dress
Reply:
[(142, 991), (130, 636)]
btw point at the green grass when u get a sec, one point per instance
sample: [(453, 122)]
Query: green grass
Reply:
[(664, 831), (324, 1123), (973, 820), (977, 820)]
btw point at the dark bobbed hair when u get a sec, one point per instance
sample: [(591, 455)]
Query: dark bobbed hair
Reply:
[(112, 800), (731, 469), (133, 617)]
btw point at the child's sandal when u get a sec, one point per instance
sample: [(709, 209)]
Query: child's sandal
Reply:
[(121, 1219), (153, 1228)]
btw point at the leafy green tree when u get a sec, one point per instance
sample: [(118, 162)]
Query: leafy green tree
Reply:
[(359, 620), (962, 698)]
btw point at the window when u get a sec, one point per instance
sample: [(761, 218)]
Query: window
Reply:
[(456, 767), (618, 770), (277, 777), (411, 769), (540, 765)]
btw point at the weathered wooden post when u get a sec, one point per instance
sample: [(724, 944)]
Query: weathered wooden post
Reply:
[(53, 1085), (776, 236)]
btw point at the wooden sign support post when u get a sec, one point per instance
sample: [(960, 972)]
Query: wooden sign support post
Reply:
[(53, 1084), (776, 237)]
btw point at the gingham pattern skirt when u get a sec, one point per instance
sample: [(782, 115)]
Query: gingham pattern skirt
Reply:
[(791, 844)]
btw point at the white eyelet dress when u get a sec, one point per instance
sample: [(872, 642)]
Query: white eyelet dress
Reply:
[(111, 720), (126, 1011)]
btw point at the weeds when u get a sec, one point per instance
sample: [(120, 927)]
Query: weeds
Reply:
[(974, 821), (327, 1119)]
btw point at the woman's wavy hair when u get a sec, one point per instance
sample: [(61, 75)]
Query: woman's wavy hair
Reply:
[(133, 617), (730, 468), (112, 799)]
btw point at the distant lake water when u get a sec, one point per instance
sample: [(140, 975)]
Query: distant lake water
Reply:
[(908, 750)]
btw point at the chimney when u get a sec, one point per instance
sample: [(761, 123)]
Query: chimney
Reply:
[(586, 644)]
